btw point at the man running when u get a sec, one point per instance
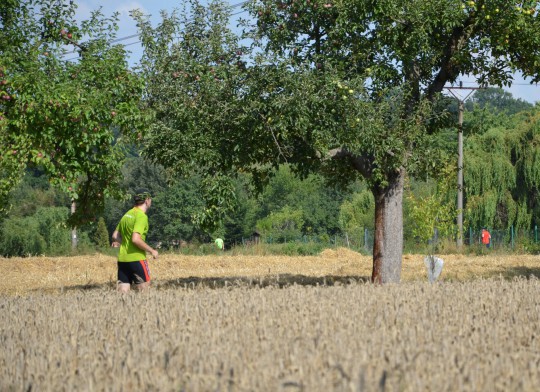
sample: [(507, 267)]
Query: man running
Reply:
[(130, 236)]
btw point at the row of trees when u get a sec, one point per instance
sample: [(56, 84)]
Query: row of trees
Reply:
[(347, 90), (290, 209)]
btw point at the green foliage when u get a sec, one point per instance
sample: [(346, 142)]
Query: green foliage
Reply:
[(45, 232), (433, 212), (299, 116), (60, 115), (418, 46), (318, 202), (299, 249), (101, 235), (239, 223), (35, 201), (54, 230), (489, 165), (358, 214), (501, 174), (294, 248), (34, 191), (528, 156), (193, 67), (172, 213), (21, 237), (344, 89), (480, 120), (282, 226), (136, 173)]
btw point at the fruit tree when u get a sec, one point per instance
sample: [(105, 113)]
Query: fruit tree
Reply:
[(67, 100), (346, 88)]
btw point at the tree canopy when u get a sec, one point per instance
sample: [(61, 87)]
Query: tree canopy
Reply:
[(347, 89), (68, 101)]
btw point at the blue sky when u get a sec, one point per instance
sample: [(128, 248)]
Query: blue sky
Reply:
[(127, 26), (521, 88)]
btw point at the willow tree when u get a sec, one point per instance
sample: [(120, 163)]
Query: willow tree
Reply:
[(503, 174), (344, 88), (66, 94)]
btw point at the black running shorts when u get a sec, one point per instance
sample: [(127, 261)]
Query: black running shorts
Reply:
[(133, 272)]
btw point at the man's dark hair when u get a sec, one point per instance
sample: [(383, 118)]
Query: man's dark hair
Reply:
[(140, 196)]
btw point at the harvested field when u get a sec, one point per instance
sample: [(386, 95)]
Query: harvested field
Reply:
[(46, 274), (219, 323)]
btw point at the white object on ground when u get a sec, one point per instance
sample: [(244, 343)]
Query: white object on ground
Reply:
[(434, 267)]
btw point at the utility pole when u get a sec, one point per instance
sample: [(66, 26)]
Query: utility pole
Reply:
[(461, 108)]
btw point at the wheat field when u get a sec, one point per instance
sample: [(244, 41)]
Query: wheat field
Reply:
[(259, 323)]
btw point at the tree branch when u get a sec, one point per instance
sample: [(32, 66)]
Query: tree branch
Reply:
[(448, 69), (362, 163)]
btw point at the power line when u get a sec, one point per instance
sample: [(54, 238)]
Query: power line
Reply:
[(123, 38), (536, 85), (513, 84), (132, 43), (137, 34)]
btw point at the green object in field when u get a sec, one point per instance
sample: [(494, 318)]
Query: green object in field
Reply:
[(219, 243)]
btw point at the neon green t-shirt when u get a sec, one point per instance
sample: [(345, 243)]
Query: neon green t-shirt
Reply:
[(133, 221), (219, 243)]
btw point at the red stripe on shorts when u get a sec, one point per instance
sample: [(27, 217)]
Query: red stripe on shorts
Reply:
[(144, 265)]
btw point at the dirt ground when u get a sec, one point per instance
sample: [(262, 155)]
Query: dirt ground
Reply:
[(332, 266)]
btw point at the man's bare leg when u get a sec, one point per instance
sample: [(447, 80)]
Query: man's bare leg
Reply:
[(123, 287), (142, 286)]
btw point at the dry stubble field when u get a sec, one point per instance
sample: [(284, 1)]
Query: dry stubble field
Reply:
[(265, 323)]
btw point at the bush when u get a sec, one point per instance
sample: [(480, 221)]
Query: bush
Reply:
[(282, 226), (21, 237), (53, 228), (101, 235), (45, 232)]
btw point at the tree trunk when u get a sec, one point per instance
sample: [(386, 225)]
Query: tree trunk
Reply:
[(388, 244), (73, 229)]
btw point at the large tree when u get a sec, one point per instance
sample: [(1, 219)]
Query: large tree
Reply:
[(502, 175), (67, 99), (346, 88)]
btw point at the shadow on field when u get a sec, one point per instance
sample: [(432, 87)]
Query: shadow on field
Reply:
[(515, 272), (79, 287), (283, 280)]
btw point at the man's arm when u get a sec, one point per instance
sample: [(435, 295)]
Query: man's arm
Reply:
[(116, 239), (139, 243)]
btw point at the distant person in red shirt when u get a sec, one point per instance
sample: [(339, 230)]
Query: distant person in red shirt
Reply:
[(486, 237)]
